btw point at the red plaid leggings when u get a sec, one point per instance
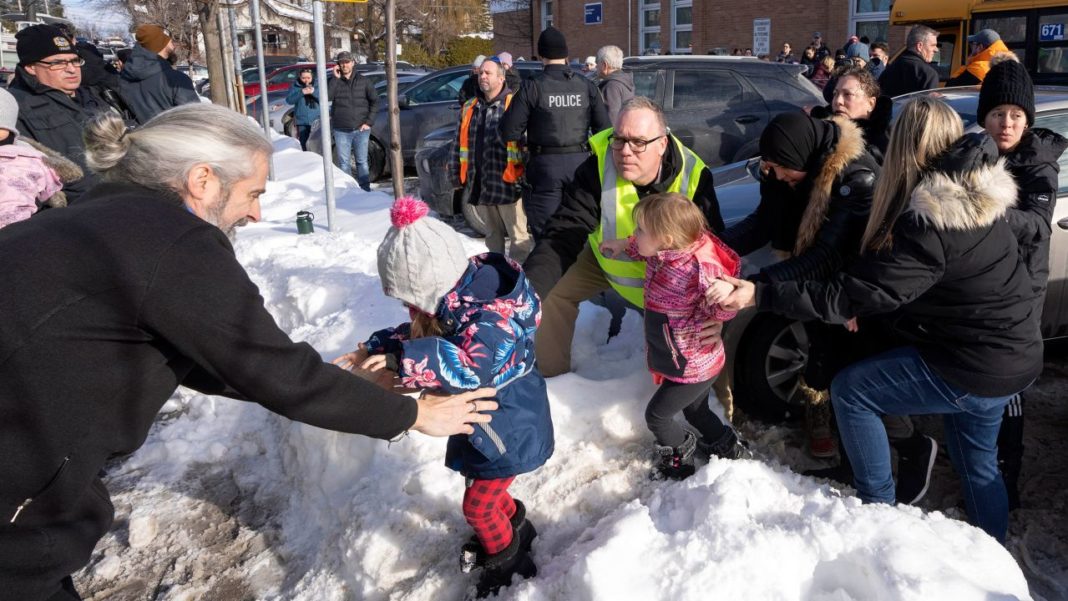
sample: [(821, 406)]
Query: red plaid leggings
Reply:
[(488, 508)]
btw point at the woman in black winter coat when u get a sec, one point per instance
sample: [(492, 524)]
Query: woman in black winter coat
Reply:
[(940, 256), (1007, 112)]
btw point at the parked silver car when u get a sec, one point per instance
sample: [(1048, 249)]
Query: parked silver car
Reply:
[(766, 353)]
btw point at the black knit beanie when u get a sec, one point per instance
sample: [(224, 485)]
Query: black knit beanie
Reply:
[(552, 44), (792, 140), (1007, 83), (41, 41)]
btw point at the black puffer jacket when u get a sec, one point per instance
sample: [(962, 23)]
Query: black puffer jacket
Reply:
[(150, 85), (819, 223), (108, 307), (56, 120), (908, 73), (353, 102), (1033, 164), (580, 214), (953, 281)]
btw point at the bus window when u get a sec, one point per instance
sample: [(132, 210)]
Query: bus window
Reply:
[(1053, 43), (1013, 30), (943, 58)]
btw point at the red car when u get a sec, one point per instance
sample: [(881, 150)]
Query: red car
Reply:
[(279, 78)]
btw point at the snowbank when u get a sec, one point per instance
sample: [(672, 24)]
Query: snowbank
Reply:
[(364, 519)]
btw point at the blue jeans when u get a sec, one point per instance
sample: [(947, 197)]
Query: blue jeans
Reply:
[(345, 141), (899, 382)]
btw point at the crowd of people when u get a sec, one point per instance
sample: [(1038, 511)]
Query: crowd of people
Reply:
[(916, 256)]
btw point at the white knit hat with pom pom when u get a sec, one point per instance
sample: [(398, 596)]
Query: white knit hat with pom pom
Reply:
[(421, 259)]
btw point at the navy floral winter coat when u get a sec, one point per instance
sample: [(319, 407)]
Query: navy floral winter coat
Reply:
[(489, 320)]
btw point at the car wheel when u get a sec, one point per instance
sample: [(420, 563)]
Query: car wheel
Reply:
[(376, 160), (288, 128), (771, 359), (474, 219)]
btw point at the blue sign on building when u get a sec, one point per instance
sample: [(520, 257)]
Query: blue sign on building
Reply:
[(594, 16)]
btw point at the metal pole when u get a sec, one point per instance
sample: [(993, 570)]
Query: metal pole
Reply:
[(230, 100), (396, 161), (239, 84), (324, 112), (265, 118)]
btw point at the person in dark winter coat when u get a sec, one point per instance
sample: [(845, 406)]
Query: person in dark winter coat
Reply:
[(469, 88), (103, 80), (473, 325), (353, 105), (942, 259), (1007, 112), (148, 82), (616, 85), (564, 268), (512, 79), (808, 59), (53, 105), (110, 305), (857, 97), (304, 96), (880, 56), (912, 71), (814, 200)]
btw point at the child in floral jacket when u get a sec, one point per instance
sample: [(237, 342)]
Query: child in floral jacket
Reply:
[(473, 324), (682, 262)]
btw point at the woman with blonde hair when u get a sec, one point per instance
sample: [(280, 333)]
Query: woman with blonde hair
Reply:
[(938, 254)]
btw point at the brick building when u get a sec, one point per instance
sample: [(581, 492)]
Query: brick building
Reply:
[(690, 26)]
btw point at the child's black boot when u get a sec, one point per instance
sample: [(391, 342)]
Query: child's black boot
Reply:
[(498, 569), (471, 554), (676, 463), (728, 446)]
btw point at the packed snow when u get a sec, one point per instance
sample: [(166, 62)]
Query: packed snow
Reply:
[(353, 518)]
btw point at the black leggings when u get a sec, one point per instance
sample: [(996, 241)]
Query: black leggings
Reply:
[(692, 400)]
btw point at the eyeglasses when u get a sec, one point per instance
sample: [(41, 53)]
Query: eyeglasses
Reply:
[(636, 144), (62, 64)]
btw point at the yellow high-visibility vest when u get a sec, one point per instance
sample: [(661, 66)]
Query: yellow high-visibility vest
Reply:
[(618, 198), (512, 171)]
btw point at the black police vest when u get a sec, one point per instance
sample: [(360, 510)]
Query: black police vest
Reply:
[(560, 121)]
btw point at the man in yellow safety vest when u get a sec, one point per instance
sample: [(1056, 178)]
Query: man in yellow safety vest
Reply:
[(637, 158), (487, 168)]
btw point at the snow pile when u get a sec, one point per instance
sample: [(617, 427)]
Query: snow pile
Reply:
[(353, 518)]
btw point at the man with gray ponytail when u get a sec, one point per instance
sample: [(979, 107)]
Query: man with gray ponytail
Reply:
[(110, 305)]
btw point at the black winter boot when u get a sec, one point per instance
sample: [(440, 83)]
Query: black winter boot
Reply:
[(1011, 448), (676, 463), (500, 568), (728, 446), (471, 554)]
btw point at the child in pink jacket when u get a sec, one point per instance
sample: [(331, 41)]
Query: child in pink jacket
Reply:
[(28, 176), (683, 260)]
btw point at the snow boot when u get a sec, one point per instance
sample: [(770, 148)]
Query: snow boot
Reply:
[(728, 446), (676, 463), (471, 554), (818, 412), (1011, 448), (915, 460), (499, 569)]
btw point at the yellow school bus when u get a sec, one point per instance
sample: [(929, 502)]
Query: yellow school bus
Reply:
[(1036, 30)]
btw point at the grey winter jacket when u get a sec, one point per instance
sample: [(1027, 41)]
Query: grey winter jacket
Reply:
[(150, 85), (616, 89)]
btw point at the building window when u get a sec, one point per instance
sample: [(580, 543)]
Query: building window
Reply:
[(335, 43), (681, 26), (870, 18), (649, 40), (546, 14)]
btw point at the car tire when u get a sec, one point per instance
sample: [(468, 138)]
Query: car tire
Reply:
[(474, 219), (771, 358)]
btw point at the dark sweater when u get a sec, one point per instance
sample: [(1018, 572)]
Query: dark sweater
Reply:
[(108, 307)]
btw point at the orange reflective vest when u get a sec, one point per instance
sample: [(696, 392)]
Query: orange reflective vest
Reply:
[(979, 65), (513, 170)]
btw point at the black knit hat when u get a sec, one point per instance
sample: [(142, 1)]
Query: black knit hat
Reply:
[(41, 41), (552, 44), (1007, 83), (792, 140)]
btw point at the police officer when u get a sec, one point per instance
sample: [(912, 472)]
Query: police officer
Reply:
[(558, 109)]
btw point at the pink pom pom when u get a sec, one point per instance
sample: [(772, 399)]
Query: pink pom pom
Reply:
[(407, 210)]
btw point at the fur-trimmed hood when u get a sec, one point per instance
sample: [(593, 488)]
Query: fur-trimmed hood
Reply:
[(67, 170), (969, 189), (847, 148)]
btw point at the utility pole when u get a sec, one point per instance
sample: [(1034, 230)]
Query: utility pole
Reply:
[(396, 160)]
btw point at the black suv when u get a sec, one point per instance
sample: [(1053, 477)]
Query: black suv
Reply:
[(719, 105)]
